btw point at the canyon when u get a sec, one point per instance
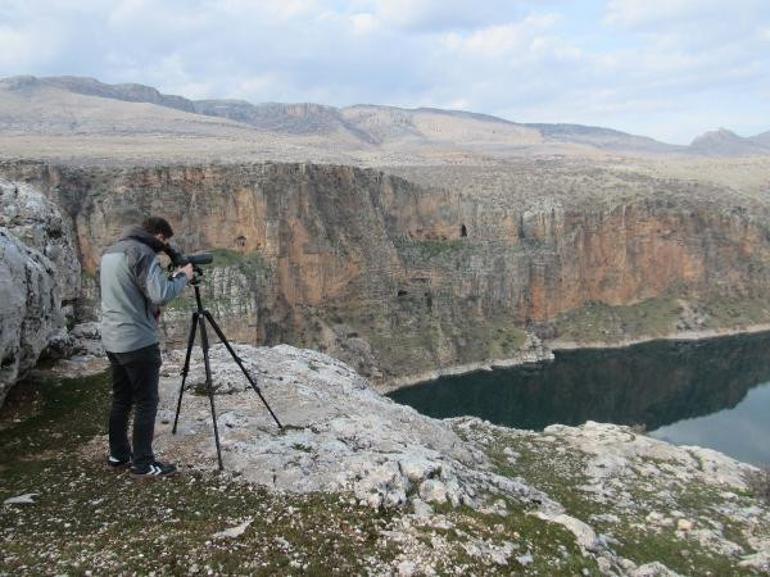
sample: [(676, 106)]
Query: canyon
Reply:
[(405, 272)]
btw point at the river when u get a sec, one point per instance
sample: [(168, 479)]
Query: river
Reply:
[(712, 393)]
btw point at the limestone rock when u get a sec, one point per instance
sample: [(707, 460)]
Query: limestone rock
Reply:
[(86, 339), (654, 569), (30, 309), (233, 532), (38, 223), (339, 434)]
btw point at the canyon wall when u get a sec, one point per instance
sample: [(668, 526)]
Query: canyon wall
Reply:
[(398, 278)]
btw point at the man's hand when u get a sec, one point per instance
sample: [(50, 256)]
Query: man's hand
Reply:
[(188, 271)]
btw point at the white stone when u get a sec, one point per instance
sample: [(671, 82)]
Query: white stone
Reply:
[(684, 525), (406, 569), (433, 491), (526, 559), (233, 532), (655, 569), (40, 225), (25, 499)]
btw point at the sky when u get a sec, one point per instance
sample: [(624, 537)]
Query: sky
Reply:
[(669, 69)]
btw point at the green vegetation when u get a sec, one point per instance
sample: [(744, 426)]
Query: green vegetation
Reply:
[(246, 262), (425, 338), (599, 322), (727, 311), (429, 249), (551, 549)]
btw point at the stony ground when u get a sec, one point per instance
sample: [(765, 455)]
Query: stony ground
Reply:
[(356, 485)]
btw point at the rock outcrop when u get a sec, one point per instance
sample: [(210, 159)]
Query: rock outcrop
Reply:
[(38, 223), (30, 309), (613, 491), (339, 435), (40, 274)]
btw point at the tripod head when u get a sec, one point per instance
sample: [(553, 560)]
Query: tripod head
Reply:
[(197, 275)]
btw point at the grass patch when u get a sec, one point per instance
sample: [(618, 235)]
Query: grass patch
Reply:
[(557, 473), (599, 322), (551, 548), (429, 249), (726, 311), (246, 261)]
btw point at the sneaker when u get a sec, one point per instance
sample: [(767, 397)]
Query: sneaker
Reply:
[(118, 463), (154, 469)]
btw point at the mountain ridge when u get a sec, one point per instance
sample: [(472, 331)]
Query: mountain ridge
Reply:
[(374, 125)]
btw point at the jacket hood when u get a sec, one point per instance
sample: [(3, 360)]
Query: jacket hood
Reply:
[(139, 234)]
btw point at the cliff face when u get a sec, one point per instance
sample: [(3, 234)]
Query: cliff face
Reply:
[(639, 251), (39, 281), (399, 279)]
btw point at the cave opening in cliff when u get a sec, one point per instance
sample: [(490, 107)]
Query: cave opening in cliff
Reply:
[(463, 231)]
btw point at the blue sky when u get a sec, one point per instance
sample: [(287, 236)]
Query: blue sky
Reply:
[(670, 69)]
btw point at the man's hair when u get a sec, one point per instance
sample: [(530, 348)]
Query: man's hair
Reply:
[(157, 225)]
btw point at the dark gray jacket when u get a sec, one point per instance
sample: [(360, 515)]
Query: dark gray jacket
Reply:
[(134, 286)]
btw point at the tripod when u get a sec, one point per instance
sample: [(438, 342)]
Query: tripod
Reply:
[(199, 318)]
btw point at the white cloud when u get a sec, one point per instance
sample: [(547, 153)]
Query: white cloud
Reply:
[(27, 46), (639, 65), (364, 23), (642, 13), (506, 39), (443, 15), (271, 10)]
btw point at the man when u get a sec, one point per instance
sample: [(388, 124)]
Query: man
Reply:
[(134, 287)]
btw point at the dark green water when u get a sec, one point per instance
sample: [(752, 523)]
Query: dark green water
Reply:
[(713, 393)]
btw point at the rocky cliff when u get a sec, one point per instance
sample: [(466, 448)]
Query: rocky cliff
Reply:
[(399, 276), (39, 280)]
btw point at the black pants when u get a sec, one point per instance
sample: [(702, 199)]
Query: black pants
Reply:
[(134, 384)]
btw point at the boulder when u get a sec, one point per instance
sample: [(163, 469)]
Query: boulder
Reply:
[(31, 317), (37, 222)]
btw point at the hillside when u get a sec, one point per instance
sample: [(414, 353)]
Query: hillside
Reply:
[(84, 119)]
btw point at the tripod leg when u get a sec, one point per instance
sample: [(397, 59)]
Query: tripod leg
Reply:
[(238, 361), (209, 386), (186, 367)]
